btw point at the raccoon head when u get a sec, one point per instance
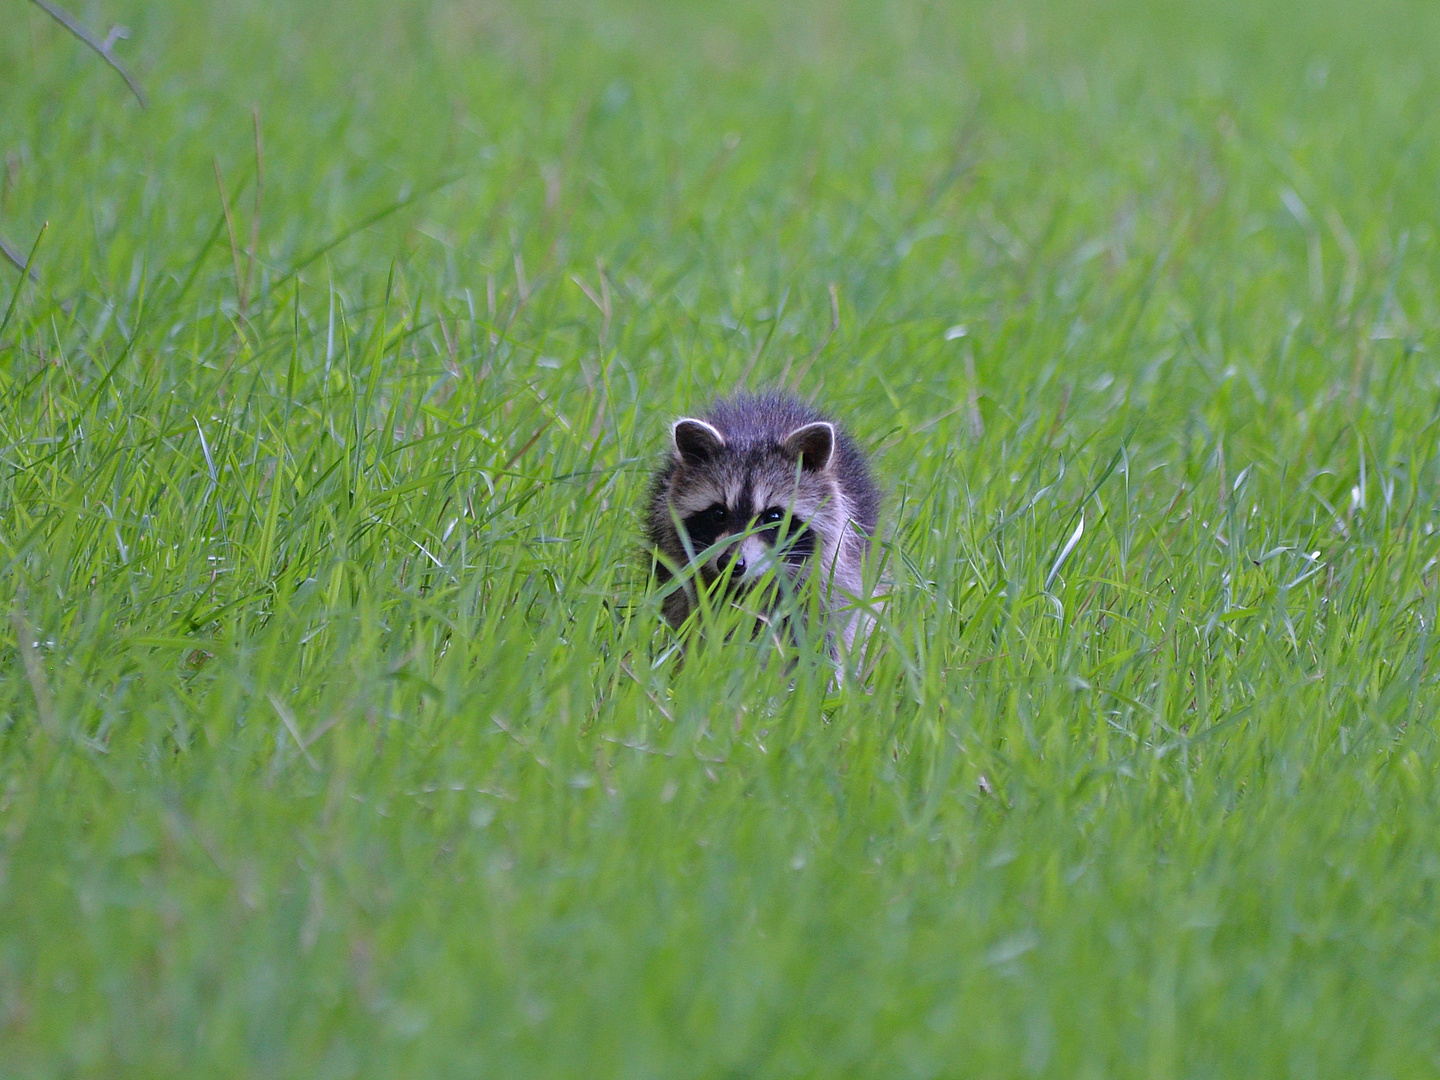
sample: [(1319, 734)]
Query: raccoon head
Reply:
[(753, 508)]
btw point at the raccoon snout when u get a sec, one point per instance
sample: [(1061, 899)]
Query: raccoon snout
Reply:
[(747, 560), (731, 560)]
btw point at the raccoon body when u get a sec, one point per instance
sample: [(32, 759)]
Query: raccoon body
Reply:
[(763, 488)]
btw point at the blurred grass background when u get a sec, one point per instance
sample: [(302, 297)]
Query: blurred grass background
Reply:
[(338, 734)]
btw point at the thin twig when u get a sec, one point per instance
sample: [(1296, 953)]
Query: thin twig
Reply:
[(104, 48)]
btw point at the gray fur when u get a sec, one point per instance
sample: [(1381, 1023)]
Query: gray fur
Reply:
[(752, 453)]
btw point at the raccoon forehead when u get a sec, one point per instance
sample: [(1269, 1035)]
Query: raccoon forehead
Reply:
[(757, 490), (701, 493)]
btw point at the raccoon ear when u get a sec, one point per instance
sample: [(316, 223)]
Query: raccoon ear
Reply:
[(813, 444), (696, 441)]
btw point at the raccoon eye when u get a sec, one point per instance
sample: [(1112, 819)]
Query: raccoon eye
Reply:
[(718, 514), (773, 516)]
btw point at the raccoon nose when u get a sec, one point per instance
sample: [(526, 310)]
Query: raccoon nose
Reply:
[(734, 558)]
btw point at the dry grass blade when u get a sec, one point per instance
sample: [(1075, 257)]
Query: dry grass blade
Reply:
[(234, 245), (255, 215)]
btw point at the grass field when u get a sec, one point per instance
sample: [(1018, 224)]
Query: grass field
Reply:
[(338, 733)]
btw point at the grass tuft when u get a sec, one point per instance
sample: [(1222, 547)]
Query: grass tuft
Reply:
[(340, 734)]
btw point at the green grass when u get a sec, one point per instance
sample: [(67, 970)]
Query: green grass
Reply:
[(337, 734)]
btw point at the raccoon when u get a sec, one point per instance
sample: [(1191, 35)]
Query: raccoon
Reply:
[(764, 488)]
